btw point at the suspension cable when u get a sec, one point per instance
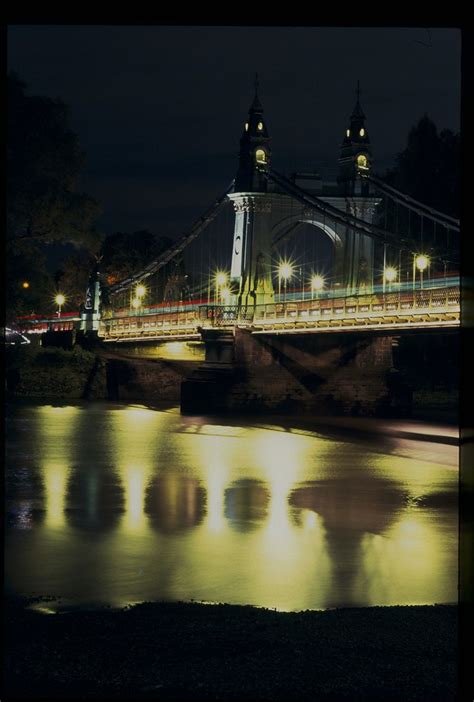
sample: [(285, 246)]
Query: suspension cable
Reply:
[(417, 206), (334, 213), (177, 248)]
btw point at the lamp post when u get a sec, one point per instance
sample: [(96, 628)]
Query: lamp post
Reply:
[(317, 284), (220, 282), (136, 303), (285, 272), (420, 262), (390, 274), (60, 300)]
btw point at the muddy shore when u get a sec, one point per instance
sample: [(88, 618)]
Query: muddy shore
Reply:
[(191, 651)]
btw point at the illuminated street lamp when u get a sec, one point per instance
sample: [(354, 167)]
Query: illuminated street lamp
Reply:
[(390, 275), (317, 284), (59, 300), (420, 262), (25, 285), (140, 291), (220, 280), (285, 272)]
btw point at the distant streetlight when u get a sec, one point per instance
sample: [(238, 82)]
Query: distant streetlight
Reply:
[(25, 285), (317, 284), (140, 291), (59, 300), (285, 272)]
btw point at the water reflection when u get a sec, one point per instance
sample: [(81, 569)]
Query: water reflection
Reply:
[(95, 498), (123, 504), (358, 502), (175, 503), (246, 504)]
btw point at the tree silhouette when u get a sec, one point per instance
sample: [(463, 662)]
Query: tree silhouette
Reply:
[(43, 165), (428, 168), (44, 161)]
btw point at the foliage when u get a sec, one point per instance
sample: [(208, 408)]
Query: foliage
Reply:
[(74, 276), (126, 253), (43, 165), (428, 168), (51, 372), (30, 287), (44, 161)]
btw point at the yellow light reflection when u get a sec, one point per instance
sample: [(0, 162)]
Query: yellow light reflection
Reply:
[(310, 519), (57, 426), (213, 455), (56, 476), (282, 458), (136, 432), (134, 478), (406, 564)]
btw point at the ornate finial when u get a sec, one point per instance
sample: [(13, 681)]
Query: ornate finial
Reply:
[(256, 104)]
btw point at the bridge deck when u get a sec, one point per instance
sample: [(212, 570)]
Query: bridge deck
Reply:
[(437, 308)]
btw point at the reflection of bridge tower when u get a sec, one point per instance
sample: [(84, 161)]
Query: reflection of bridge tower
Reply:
[(267, 211)]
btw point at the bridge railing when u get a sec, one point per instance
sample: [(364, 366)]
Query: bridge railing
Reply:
[(443, 300), (392, 307)]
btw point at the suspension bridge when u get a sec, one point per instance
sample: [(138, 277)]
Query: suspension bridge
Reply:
[(288, 254)]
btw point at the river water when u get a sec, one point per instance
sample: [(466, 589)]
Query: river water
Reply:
[(114, 504)]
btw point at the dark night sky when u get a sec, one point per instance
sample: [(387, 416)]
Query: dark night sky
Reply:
[(159, 110)]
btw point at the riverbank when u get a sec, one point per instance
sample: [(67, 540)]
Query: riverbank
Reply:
[(102, 374), (191, 651)]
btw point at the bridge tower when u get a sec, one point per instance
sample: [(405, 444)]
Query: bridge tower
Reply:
[(355, 160), (251, 253), (356, 154), (265, 212)]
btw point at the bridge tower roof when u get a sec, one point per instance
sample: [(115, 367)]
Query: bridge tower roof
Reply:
[(356, 155), (255, 149)]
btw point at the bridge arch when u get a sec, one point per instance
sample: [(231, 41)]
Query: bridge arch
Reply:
[(285, 226)]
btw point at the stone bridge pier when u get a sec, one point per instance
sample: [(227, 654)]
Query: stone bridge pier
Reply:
[(332, 374)]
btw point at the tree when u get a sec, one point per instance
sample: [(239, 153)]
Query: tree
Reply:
[(30, 287), (124, 254), (44, 161), (428, 168), (73, 278)]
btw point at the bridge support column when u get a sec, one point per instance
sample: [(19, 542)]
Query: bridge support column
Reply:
[(90, 314), (206, 390), (251, 255), (355, 257)]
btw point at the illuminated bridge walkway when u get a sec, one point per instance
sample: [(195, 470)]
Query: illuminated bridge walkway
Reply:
[(438, 308)]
